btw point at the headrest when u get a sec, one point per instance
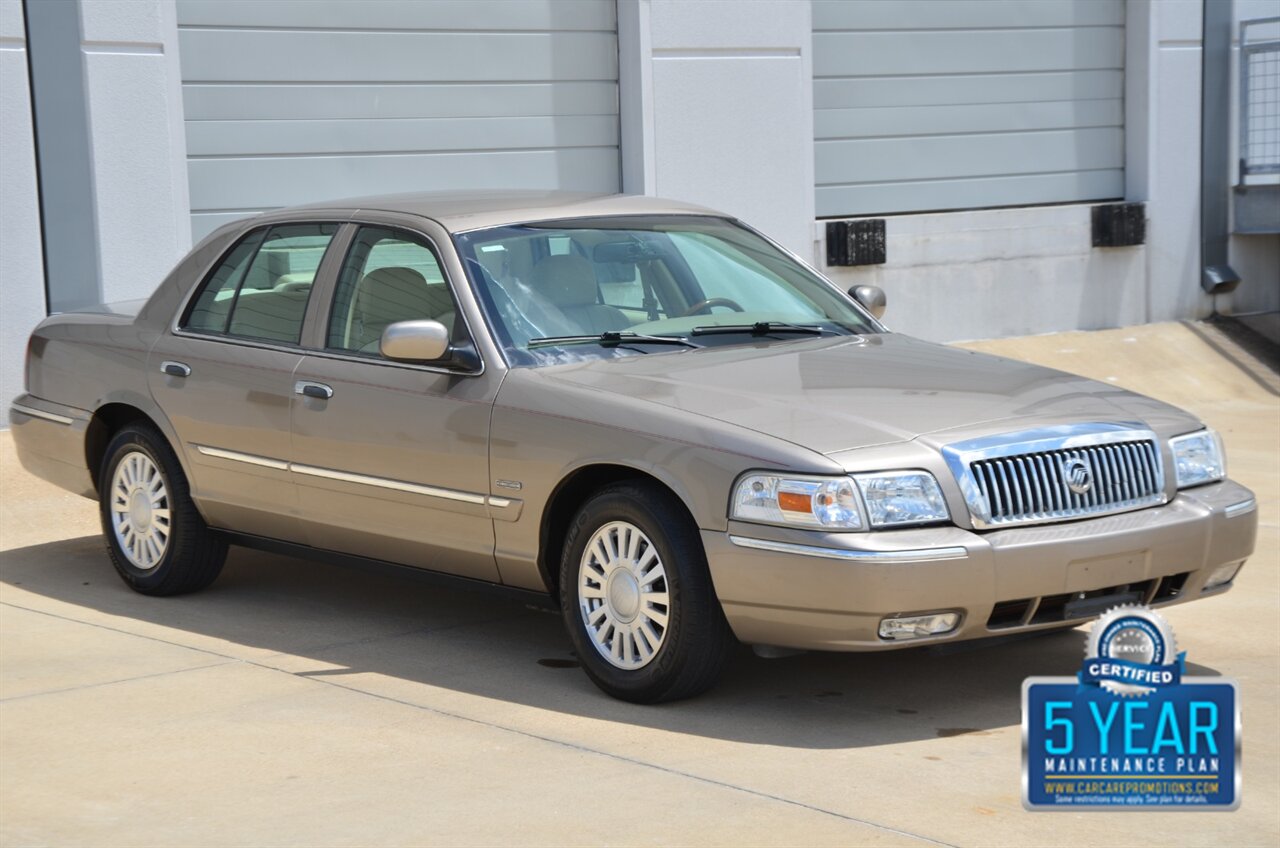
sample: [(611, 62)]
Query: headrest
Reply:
[(395, 279), (567, 280), (392, 293)]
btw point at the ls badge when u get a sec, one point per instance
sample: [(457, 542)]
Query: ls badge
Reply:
[(1130, 731)]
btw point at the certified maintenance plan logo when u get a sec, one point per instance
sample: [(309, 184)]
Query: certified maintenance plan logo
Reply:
[(1130, 731)]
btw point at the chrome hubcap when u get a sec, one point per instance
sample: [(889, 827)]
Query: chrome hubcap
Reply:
[(140, 510), (622, 595)]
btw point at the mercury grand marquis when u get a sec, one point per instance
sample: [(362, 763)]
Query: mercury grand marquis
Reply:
[(643, 410)]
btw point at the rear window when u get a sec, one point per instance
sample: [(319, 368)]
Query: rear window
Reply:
[(261, 287)]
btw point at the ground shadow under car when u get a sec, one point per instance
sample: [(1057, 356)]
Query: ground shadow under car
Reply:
[(369, 624)]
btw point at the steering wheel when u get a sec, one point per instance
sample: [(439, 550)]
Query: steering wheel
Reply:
[(708, 303)]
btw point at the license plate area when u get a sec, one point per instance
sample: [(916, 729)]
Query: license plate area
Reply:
[(1092, 605)]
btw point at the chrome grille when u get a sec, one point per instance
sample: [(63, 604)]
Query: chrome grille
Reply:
[(1057, 474), (1038, 485)]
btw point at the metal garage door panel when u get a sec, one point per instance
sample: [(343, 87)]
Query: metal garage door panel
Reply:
[(966, 14), (955, 88), (230, 138), (285, 181), (1023, 190), (970, 118), (502, 15), (250, 101), (844, 54), (934, 104), (323, 56), (291, 102), (940, 157)]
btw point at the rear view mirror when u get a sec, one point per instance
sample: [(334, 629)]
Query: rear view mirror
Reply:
[(872, 299), (631, 251)]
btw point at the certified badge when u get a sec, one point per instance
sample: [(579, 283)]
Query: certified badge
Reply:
[(1131, 651), (1130, 731)]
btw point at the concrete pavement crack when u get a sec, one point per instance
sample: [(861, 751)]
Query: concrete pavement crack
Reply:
[(100, 683), (710, 781)]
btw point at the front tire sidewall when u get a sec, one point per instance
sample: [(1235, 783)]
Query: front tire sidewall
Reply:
[(684, 562)]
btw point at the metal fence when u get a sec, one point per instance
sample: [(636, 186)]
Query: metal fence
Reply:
[(1259, 97)]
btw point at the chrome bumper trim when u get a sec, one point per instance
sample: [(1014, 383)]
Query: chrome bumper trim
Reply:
[(31, 412), (922, 555), (1240, 508)]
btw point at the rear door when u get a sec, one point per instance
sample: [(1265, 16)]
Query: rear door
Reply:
[(391, 458), (224, 376)]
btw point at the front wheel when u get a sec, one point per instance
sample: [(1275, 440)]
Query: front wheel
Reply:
[(637, 597), (156, 539)]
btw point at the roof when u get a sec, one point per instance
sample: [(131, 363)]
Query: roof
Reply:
[(461, 211)]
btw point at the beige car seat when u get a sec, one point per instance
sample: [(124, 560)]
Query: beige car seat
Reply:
[(569, 282), (387, 295)]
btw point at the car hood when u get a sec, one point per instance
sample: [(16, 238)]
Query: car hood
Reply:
[(839, 393)]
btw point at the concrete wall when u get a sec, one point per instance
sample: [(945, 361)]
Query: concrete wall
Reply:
[(1003, 272), (22, 300), (1174, 162), (717, 108), (134, 103)]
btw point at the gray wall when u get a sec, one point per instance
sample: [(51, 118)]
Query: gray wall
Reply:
[(938, 104), (343, 98), (22, 299), (716, 109)]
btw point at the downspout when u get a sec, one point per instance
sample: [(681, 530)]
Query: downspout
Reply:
[(1216, 274)]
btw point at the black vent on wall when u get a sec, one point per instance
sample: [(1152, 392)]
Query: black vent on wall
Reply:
[(856, 242), (1119, 224)]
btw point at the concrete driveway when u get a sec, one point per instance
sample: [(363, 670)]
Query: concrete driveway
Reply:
[(296, 703)]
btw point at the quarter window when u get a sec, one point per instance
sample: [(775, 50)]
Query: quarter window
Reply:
[(388, 276), (261, 288)]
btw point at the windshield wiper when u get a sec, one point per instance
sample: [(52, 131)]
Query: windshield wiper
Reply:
[(760, 328), (612, 339)]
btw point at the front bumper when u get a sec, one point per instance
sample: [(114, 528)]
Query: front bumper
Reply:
[(800, 589)]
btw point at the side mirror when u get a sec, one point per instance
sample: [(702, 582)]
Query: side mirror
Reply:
[(415, 341), (872, 299)]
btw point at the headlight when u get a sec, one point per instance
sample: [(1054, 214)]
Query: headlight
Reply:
[(823, 502), (1198, 458), (898, 498)]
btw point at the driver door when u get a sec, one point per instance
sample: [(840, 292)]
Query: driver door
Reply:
[(391, 458)]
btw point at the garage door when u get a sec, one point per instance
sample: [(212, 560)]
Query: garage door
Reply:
[(292, 101), (938, 104)]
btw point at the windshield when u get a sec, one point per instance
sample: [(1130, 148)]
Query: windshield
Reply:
[(556, 291)]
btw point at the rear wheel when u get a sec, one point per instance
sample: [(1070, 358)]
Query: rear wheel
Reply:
[(156, 539), (637, 597)]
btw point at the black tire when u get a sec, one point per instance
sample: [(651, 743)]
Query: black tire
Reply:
[(193, 555), (697, 642)]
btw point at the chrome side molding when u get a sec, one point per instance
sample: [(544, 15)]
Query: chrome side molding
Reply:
[(247, 458), (386, 483), (506, 508)]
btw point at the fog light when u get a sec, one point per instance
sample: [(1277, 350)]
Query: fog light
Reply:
[(1222, 575), (915, 626)]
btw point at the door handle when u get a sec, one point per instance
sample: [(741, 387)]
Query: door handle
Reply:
[(319, 391), (175, 369)]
